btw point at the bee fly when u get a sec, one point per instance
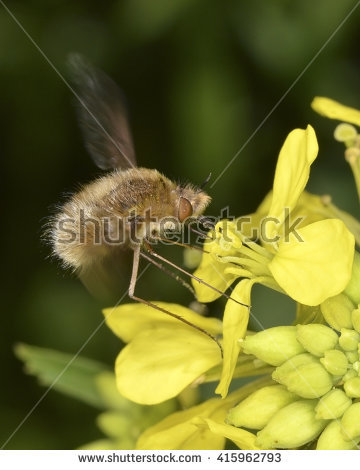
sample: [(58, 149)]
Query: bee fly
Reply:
[(128, 207)]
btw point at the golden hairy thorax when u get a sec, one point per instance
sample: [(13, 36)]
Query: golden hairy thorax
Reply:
[(96, 219), (123, 192)]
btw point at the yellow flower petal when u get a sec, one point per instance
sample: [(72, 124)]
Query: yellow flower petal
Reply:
[(213, 273), (311, 208), (235, 322), (334, 110), (159, 363), (128, 320), (243, 439), (264, 207), (317, 268), (292, 173), (179, 431)]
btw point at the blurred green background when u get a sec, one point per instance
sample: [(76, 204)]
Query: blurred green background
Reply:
[(200, 77)]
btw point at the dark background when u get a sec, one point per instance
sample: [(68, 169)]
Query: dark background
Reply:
[(200, 77)]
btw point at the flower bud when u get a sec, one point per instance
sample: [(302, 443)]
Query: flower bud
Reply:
[(258, 408), (316, 338), (295, 362), (335, 362), (332, 405), (352, 289), (352, 155), (349, 339), (355, 318), (308, 380), (345, 132), (292, 426), (350, 423), (337, 311), (352, 387), (273, 345), (332, 439)]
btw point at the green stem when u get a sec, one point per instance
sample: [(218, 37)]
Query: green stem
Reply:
[(353, 158)]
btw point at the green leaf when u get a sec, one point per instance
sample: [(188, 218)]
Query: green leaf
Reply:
[(66, 373)]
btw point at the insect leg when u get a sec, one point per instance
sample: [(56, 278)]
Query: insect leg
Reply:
[(156, 255), (170, 273), (132, 295), (207, 222), (201, 235), (135, 269)]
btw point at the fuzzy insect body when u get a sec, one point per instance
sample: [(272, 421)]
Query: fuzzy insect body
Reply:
[(118, 211)]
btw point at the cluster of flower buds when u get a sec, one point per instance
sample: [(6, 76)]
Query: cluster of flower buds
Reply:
[(316, 390)]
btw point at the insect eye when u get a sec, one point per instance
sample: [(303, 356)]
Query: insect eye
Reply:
[(185, 209)]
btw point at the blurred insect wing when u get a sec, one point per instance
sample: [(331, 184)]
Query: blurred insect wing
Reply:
[(108, 279), (102, 115)]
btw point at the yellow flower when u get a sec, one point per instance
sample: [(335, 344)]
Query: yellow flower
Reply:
[(310, 254), (309, 264), (164, 355)]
